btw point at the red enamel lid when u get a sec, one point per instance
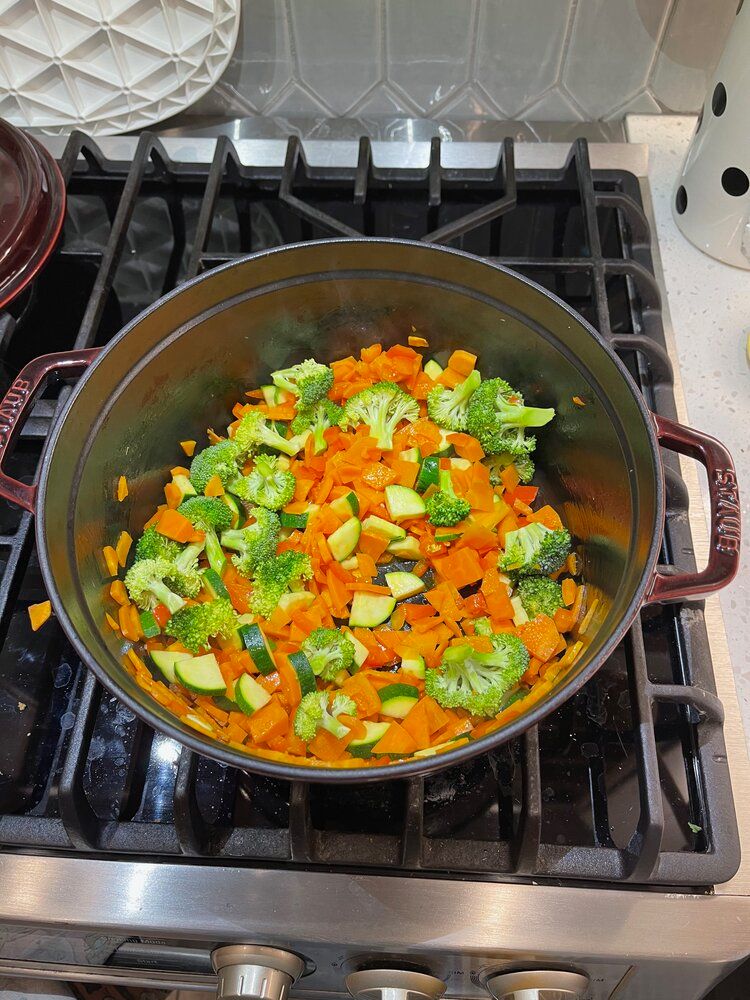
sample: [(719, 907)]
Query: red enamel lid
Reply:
[(32, 208)]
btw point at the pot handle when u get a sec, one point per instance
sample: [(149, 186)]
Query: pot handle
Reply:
[(724, 543), (15, 407)]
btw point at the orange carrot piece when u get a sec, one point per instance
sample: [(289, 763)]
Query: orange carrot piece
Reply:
[(290, 688), (123, 547), (396, 740), (372, 545), (122, 488), (498, 603), (467, 447), (38, 614), (118, 593), (450, 378), (363, 694), (547, 516), (540, 636), (130, 624), (366, 566), (174, 525), (417, 726), (367, 588), (268, 722), (326, 747), (569, 588), (378, 475), (405, 472), (110, 560), (461, 567), (188, 447), (214, 487), (111, 622), (173, 495), (155, 516), (417, 342), (509, 478), (463, 362)]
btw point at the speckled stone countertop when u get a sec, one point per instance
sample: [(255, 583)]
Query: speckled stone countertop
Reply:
[(709, 303)]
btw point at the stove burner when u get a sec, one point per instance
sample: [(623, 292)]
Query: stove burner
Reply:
[(627, 782)]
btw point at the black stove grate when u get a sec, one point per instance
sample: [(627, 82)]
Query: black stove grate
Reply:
[(628, 782)]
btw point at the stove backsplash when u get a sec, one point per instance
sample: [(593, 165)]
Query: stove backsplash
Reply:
[(537, 60)]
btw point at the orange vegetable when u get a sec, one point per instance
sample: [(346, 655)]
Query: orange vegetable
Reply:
[(450, 378), (467, 447), (540, 636), (172, 495), (548, 517), (188, 447), (111, 622), (372, 545), (122, 488), (174, 525), (123, 547), (363, 694), (396, 740), (509, 478), (110, 560), (417, 342), (268, 722), (378, 475), (461, 567), (38, 614), (130, 623), (239, 587), (118, 592), (569, 589), (290, 688), (326, 747), (463, 362), (214, 487)]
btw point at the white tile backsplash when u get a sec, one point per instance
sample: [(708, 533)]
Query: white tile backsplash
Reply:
[(554, 60)]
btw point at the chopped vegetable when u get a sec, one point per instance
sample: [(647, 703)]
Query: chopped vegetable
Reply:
[(255, 543), (329, 652), (267, 485), (444, 508), (38, 614), (122, 488), (313, 713), (477, 681), (309, 380), (381, 407), (193, 626), (497, 417), (449, 408)]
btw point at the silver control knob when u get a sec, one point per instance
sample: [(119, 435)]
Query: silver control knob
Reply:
[(539, 984), (254, 972), (393, 984)]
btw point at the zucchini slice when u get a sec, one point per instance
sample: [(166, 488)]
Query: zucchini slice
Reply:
[(200, 674)]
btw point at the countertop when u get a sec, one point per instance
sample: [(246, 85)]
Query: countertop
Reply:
[(709, 304)]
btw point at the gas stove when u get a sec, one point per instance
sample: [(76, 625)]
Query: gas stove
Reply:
[(604, 843)]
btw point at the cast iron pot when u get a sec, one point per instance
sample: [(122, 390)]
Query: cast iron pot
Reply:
[(179, 366)]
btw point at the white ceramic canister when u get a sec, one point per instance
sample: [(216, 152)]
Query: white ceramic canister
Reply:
[(711, 203)]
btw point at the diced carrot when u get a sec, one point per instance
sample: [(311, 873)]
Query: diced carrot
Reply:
[(123, 547), (547, 516), (268, 722), (378, 475), (356, 728), (155, 516), (540, 636), (162, 615), (509, 478), (467, 447), (417, 726), (462, 362), (437, 717), (173, 495), (461, 567), (368, 354), (239, 587), (564, 619), (578, 401), (111, 622), (363, 694), (367, 588), (174, 525), (118, 592), (38, 614), (527, 494), (406, 472), (417, 341), (214, 487), (326, 747), (212, 436), (498, 603), (569, 588), (396, 740), (110, 560), (450, 378), (366, 566), (130, 624), (122, 488), (290, 688), (188, 447), (372, 545)]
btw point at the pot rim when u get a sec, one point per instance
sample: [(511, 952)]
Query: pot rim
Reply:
[(403, 769)]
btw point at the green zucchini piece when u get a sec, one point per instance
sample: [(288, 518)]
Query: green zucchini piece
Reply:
[(406, 548), (414, 665), (403, 502), (363, 746), (234, 507), (215, 554), (369, 610), (257, 646), (304, 672), (428, 473), (343, 541), (432, 369), (375, 525), (200, 674), (397, 700), (165, 660), (403, 585), (297, 522), (360, 651), (298, 601), (410, 455), (149, 624), (213, 583), (346, 506), (249, 694), (184, 485), (444, 536)]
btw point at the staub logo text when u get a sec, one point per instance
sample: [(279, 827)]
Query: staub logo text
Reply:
[(14, 400), (728, 517)]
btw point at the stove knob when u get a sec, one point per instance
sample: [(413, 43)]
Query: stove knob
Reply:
[(393, 984), (539, 984), (255, 972)]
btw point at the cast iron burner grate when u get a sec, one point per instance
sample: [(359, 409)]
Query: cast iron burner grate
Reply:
[(628, 782)]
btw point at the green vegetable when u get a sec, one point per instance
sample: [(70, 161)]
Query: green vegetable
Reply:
[(146, 584), (369, 610), (149, 624), (414, 665), (254, 432), (184, 485), (346, 506), (374, 732), (405, 548), (200, 674), (478, 681), (255, 642), (249, 694), (255, 543), (296, 522), (329, 651), (444, 508), (483, 626), (267, 485), (379, 526), (539, 595), (498, 463), (381, 407), (403, 585), (304, 671), (209, 514), (317, 419), (343, 541), (153, 545), (449, 408), (403, 502), (213, 584), (313, 713), (309, 380), (165, 660), (219, 460), (397, 700), (193, 626), (535, 548), (497, 417), (275, 577), (433, 370)]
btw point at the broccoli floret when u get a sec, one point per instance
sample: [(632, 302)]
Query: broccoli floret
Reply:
[(217, 460), (275, 577), (309, 380), (153, 545), (449, 408), (267, 485), (255, 543), (535, 548), (482, 626), (313, 714), (329, 652), (318, 419), (478, 681), (193, 626), (444, 508), (146, 585), (497, 416), (497, 463), (539, 595), (382, 407), (254, 431), (210, 515)]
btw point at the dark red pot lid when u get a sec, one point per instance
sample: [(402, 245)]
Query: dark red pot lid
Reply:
[(32, 208)]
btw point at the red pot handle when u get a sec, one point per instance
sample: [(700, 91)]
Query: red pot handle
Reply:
[(724, 551), (15, 407)]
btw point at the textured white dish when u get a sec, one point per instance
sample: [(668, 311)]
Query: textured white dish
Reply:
[(109, 66)]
